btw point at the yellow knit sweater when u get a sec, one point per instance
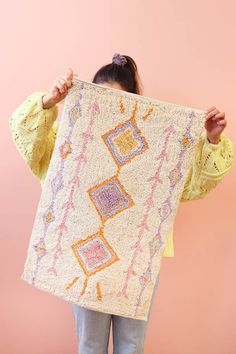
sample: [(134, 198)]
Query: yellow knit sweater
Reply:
[(34, 132)]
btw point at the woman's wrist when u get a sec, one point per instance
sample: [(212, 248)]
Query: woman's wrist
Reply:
[(47, 102), (215, 140)]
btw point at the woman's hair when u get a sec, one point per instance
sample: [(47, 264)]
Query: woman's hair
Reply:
[(122, 70)]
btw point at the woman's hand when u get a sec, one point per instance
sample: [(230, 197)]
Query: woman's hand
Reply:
[(215, 123), (59, 90)]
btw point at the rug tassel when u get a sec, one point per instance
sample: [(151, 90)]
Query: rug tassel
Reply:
[(134, 111), (72, 283), (99, 294), (146, 116), (122, 108), (84, 286)]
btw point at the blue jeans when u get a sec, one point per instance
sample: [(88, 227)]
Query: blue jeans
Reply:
[(93, 330)]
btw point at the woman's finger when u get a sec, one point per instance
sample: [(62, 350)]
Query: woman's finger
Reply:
[(219, 115), (211, 109), (61, 85), (58, 85), (67, 79), (55, 92), (62, 81), (212, 114), (222, 122), (64, 84), (216, 117), (69, 76)]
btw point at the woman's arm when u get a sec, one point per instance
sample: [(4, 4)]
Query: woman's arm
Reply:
[(34, 130), (211, 163), (34, 127)]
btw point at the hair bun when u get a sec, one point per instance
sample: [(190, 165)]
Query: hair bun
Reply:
[(119, 59)]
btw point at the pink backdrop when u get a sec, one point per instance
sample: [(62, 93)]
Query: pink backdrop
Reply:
[(186, 54)]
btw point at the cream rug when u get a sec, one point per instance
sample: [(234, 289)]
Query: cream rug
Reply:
[(110, 197)]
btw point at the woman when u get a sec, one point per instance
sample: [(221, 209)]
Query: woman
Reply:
[(34, 129)]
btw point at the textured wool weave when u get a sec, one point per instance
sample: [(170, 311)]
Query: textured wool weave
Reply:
[(110, 197)]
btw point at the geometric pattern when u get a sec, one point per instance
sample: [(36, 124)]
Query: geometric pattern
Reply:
[(94, 253), (175, 176), (125, 142), (111, 228), (65, 149), (40, 248), (110, 198)]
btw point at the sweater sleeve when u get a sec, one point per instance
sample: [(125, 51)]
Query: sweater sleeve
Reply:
[(34, 130), (211, 163)]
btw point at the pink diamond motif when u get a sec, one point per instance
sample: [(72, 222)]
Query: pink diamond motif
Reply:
[(94, 253)]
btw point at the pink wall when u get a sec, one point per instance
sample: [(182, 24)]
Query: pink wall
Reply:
[(186, 54)]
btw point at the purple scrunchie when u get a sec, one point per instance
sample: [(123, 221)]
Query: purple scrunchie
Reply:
[(119, 59)]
